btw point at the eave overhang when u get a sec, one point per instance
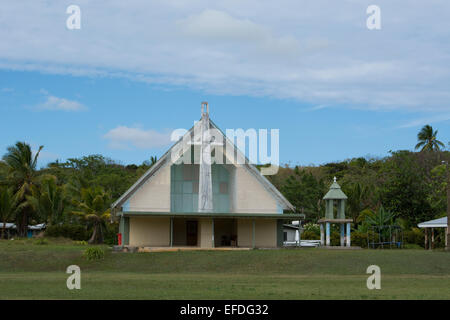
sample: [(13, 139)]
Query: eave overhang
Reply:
[(282, 216)]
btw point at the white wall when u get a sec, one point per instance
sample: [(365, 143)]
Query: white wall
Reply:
[(149, 231), (250, 196), (154, 195)]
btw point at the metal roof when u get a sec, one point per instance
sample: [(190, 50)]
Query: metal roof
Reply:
[(165, 159), (290, 226), (335, 192), (436, 223), (13, 226)]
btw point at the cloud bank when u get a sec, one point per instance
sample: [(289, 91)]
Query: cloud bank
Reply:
[(123, 137), (319, 52)]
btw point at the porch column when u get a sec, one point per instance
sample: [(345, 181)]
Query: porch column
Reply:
[(171, 231), (432, 238), (322, 235), (348, 235), (124, 229), (327, 237), (426, 238), (342, 234), (446, 237), (212, 227), (253, 233)]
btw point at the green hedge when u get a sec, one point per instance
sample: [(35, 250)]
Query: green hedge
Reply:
[(414, 236), (359, 239), (310, 235), (71, 231)]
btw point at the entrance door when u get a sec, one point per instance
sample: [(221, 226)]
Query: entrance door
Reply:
[(191, 233)]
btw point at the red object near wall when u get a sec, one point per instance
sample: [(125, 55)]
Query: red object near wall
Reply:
[(119, 239)]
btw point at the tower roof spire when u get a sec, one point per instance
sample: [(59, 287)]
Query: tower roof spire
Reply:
[(335, 192)]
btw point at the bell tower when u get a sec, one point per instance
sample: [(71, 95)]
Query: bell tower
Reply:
[(335, 201)]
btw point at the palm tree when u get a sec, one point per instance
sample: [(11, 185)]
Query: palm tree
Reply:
[(357, 198), (49, 201), (427, 139), (22, 177), (8, 206), (94, 208)]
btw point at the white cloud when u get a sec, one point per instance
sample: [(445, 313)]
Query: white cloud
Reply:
[(122, 137), (60, 104), (213, 26), (426, 120), (319, 52)]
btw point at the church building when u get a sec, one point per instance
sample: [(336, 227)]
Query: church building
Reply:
[(203, 192)]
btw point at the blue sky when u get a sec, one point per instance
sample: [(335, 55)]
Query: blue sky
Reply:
[(334, 89)]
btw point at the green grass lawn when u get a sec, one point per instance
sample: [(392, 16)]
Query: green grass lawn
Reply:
[(30, 271)]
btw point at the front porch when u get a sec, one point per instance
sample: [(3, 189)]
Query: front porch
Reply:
[(185, 231)]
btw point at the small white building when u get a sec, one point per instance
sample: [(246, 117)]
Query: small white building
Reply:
[(430, 226)]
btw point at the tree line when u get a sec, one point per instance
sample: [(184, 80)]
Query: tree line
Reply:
[(406, 186), (403, 189)]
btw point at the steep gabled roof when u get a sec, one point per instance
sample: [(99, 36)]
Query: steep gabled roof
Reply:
[(335, 192), (166, 158)]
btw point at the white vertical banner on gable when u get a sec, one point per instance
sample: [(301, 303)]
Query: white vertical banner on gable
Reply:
[(205, 195)]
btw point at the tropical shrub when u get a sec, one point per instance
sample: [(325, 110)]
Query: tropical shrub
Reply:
[(74, 232), (312, 227), (335, 238), (310, 235), (41, 241), (381, 218), (94, 253), (110, 233), (359, 239), (414, 236)]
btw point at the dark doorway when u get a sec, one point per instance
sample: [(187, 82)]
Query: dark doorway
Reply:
[(225, 232), (191, 233)]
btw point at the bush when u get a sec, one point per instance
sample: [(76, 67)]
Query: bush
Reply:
[(71, 231), (110, 234), (81, 243), (359, 239), (310, 235), (94, 253), (41, 241), (412, 246), (312, 227), (414, 236), (335, 238)]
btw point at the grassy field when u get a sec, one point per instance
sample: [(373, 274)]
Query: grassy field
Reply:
[(30, 271)]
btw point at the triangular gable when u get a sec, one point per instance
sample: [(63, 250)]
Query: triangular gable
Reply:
[(167, 159)]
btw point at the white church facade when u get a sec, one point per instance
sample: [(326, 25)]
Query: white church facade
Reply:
[(189, 198)]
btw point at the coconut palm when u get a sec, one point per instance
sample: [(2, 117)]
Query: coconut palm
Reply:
[(94, 207), (49, 201), (357, 198), (8, 206), (22, 176), (427, 139)]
